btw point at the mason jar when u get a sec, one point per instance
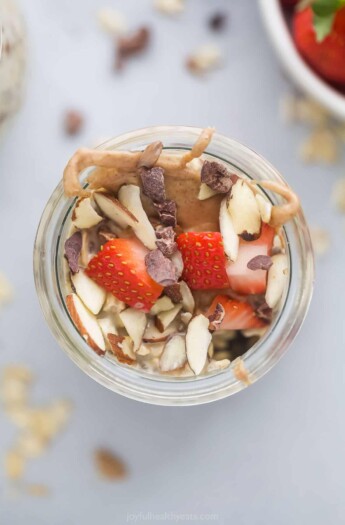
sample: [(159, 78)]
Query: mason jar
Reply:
[(52, 287), (12, 60)]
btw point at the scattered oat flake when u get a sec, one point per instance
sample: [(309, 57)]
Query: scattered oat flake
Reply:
[(204, 59), (338, 194), (6, 290), (321, 240), (111, 21), (170, 7), (321, 146), (109, 466)]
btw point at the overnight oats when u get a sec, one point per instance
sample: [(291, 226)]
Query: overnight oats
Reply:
[(176, 265), (173, 265)]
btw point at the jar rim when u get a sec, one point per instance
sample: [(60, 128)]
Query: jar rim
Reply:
[(150, 388)]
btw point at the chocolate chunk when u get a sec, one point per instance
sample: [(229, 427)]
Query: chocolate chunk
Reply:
[(166, 240), (73, 122), (131, 45), (260, 262), (174, 293), (216, 176), (72, 251), (153, 183), (216, 318), (218, 21), (150, 155), (167, 212), (159, 268)]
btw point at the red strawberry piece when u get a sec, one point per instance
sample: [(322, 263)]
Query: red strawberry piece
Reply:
[(243, 280), (204, 260), (327, 57), (119, 267), (238, 315)]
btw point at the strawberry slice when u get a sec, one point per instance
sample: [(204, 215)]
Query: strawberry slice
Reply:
[(241, 278), (204, 260), (119, 267), (238, 315)]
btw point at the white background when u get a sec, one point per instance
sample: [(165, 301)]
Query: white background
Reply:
[(273, 454)]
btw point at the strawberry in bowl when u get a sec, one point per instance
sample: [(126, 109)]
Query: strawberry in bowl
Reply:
[(175, 264)]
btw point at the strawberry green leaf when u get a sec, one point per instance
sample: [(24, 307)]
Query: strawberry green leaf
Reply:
[(323, 26)]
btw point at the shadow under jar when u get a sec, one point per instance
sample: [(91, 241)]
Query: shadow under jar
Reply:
[(52, 286)]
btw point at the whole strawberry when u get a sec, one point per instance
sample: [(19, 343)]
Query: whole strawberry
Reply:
[(325, 54)]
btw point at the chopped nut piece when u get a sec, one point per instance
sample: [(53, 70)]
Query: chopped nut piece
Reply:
[(164, 319), (205, 192), (160, 269), (338, 194), (216, 176), (121, 349), (265, 208), (217, 366), (133, 44), (244, 211), (109, 466), (72, 251), (188, 302), (218, 21), (240, 371), (321, 146), (73, 122), (135, 323), (198, 339), (153, 183), (167, 212), (166, 240), (204, 59), (84, 215), (111, 21), (150, 155), (321, 240), (186, 317), (163, 304), (174, 292), (92, 295), (276, 279), (216, 318), (230, 238), (129, 196), (114, 210), (85, 323), (174, 354), (169, 7), (260, 262)]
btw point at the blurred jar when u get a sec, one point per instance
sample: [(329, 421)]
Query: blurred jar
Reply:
[(12, 60)]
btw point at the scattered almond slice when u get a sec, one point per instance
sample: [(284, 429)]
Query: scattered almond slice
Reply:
[(113, 305), (122, 348), (186, 317), (174, 354), (163, 304), (135, 323), (188, 302), (152, 334), (217, 366), (85, 323), (244, 211), (198, 339), (84, 215), (276, 279), (164, 319), (321, 240), (108, 326), (178, 263), (129, 196), (109, 466), (153, 350), (204, 59), (92, 295), (114, 210), (206, 192), (265, 208), (144, 350), (112, 22), (230, 238)]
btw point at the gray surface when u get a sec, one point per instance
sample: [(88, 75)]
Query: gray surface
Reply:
[(272, 454)]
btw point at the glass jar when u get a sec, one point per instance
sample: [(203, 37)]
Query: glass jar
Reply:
[(12, 60), (259, 359)]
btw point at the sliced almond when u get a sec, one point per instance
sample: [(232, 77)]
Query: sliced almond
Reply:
[(276, 279), (122, 348), (217, 366), (265, 208), (188, 303), (86, 323), (230, 238), (186, 317), (129, 196), (176, 258), (84, 215), (154, 350), (162, 305), (92, 295), (244, 210), (210, 350), (205, 192), (198, 339), (164, 319), (113, 305), (107, 326), (135, 323), (114, 210), (174, 354), (153, 335)]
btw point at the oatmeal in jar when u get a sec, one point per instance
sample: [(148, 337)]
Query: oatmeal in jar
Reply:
[(176, 265)]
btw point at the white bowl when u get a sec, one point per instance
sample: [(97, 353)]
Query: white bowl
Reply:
[(293, 63)]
